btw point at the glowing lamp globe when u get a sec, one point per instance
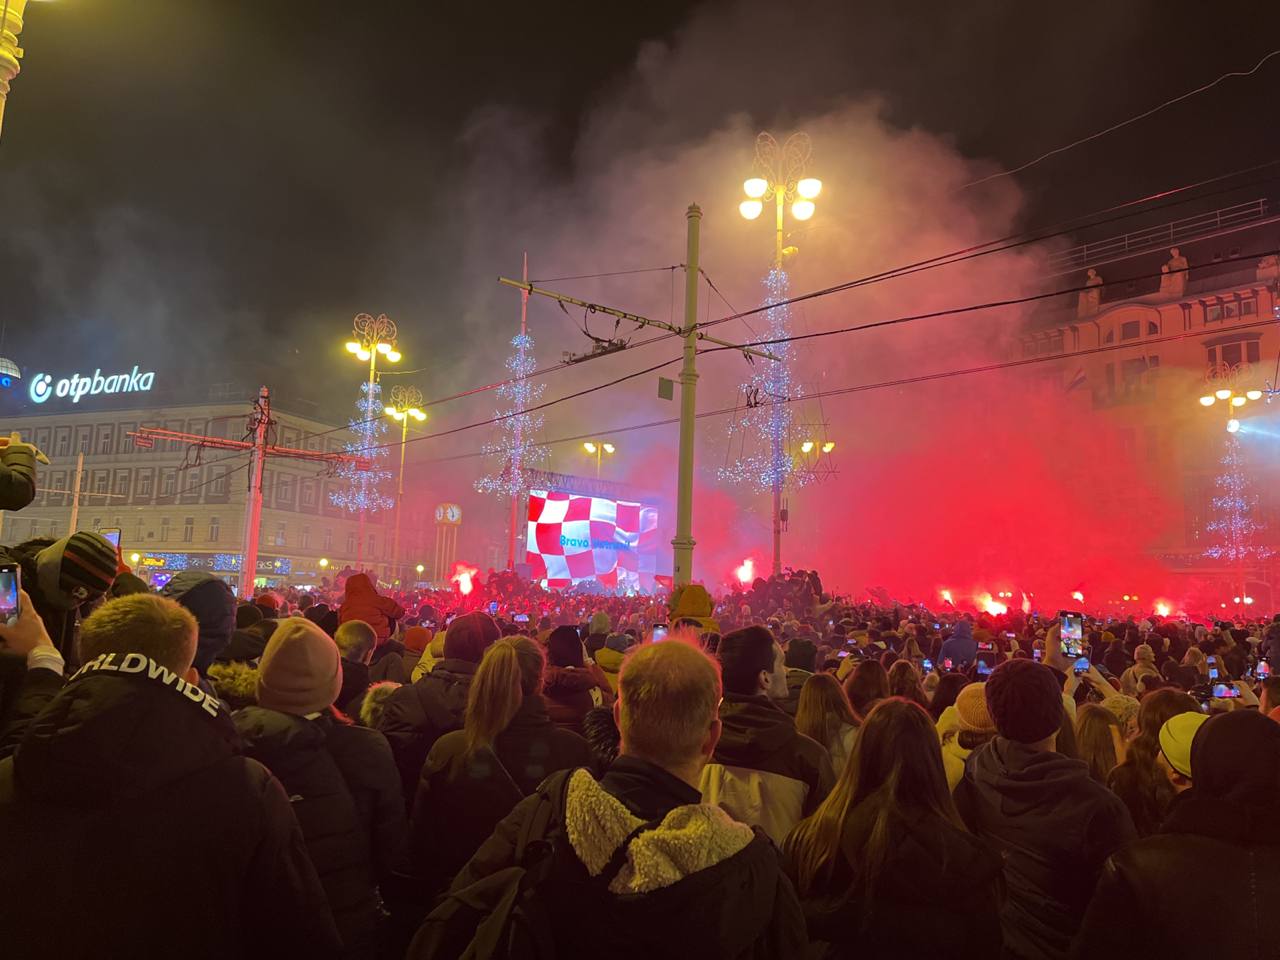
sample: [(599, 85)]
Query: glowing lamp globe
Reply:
[(809, 188), (1222, 394), (417, 414), (383, 347), (1238, 401), (1233, 426), (393, 356), (363, 354), (828, 446), (609, 448), (390, 411), (806, 447), (420, 568), (802, 209), (1253, 394), (589, 446), (353, 347), (750, 209), (756, 187), (1207, 401)]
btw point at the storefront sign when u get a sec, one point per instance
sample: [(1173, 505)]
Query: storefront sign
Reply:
[(43, 386)]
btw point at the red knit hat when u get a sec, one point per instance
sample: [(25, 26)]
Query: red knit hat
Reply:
[(1025, 700)]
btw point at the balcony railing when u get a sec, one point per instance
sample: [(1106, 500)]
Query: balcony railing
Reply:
[(1154, 238)]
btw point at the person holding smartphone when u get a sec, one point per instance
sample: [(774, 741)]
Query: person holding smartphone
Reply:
[(18, 472)]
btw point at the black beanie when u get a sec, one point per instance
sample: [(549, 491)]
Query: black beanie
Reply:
[(564, 648), (801, 654), (1236, 757), (1024, 699)]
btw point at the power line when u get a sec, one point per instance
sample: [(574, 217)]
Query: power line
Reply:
[(1125, 123), (615, 273)]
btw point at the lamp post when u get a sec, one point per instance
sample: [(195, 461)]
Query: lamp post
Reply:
[(1223, 384), (597, 449), (11, 22), (404, 406), (371, 336), (782, 180)]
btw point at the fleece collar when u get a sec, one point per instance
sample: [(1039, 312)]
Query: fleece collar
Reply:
[(690, 838)]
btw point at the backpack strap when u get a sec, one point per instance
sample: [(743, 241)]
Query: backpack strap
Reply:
[(619, 858), (550, 807)]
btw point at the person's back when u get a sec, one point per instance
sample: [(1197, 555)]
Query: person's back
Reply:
[(131, 827), (687, 880), (341, 779), (764, 772), (1054, 824), (363, 602), (960, 648), (420, 713), (474, 776), (883, 867), (1220, 841)]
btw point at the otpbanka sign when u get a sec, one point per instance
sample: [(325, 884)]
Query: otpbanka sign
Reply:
[(43, 385)]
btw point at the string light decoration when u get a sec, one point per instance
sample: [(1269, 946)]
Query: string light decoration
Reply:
[(362, 492), (516, 450), (1233, 526), (764, 426)]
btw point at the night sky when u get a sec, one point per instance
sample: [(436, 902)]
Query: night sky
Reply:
[(214, 188)]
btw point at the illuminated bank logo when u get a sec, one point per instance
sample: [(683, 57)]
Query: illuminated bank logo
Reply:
[(77, 386), (41, 387)]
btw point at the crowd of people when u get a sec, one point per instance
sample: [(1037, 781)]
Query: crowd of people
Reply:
[(513, 773)]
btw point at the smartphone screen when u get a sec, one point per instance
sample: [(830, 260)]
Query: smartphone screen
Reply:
[(1262, 670), (926, 665), (493, 607), (1081, 666), (659, 632), (521, 618), (984, 668), (986, 645), (842, 654), (1037, 654), (10, 575), (112, 535), (948, 664), (1225, 691), (1072, 632)]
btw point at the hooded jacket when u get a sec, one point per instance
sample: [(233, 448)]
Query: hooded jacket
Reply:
[(362, 602), (130, 827), (570, 692), (764, 772), (1055, 827), (343, 786), (698, 884), (419, 714), (17, 476), (213, 605), (937, 895), (462, 797), (960, 648), (610, 663)]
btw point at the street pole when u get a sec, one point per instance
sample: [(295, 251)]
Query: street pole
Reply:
[(75, 492), (404, 440), (683, 543), (253, 503), (11, 12), (775, 416), (519, 445), (369, 414)]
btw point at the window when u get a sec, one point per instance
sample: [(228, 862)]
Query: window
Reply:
[(101, 481), (1153, 328), (307, 493), (126, 442), (1110, 337), (328, 539), (1231, 353), (218, 488), (1231, 309), (284, 492), (1130, 329), (373, 541), (1213, 313), (351, 544), (280, 533), (105, 436), (1248, 306), (214, 529), (97, 524), (188, 529), (164, 529), (304, 540), (168, 483), (63, 441), (137, 537), (84, 436), (121, 488), (144, 483)]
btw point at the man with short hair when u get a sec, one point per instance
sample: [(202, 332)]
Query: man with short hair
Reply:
[(1053, 823), (128, 799), (355, 640), (764, 771), (418, 714), (644, 867)]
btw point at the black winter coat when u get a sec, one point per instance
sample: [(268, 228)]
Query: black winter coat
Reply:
[(1055, 827), (130, 827), (939, 895), (461, 798), (17, 477), (23, 694), (1229, 854), (418, 714), (343, 786)]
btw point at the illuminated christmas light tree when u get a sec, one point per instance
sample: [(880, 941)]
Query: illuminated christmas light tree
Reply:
[(764, 425), (516, 449), (1234, 505), (362, 493)]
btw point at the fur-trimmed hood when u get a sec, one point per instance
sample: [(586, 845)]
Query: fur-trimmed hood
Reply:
[(690, 839)]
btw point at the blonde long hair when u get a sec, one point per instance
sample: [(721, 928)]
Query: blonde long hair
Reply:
[(510, 670), (823, 709), (896, 768)]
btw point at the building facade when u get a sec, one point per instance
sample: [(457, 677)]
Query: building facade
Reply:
[(1165, 316), (179, 507)]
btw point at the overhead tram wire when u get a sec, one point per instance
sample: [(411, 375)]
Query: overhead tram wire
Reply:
[(970, 308), (1011, 241)]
